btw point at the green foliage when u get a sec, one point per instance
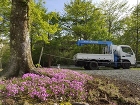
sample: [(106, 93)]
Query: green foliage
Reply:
[(65, 103), (40, 22), (86, 21), (60, 50), (5, 55), (1, 18), (42, 26), (5, 7), (113, 10), (2, 87), (38, 65), (131, 32), (82, 20)]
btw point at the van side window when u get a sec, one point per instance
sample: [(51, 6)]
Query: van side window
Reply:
[(127, 50)]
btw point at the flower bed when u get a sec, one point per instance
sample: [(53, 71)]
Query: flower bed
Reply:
[(56, 84)]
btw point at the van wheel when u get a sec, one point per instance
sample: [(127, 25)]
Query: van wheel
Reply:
[(126, 65), (93, 65)]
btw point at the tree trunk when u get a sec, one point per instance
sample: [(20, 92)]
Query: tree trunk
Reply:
[(49, 61), (20, 58)]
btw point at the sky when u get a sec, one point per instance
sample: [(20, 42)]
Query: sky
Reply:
[(58, 5)]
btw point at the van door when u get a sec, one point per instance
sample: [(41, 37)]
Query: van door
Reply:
[(128, 54)]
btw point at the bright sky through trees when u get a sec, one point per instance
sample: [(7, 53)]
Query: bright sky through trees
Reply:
[(58, 5)]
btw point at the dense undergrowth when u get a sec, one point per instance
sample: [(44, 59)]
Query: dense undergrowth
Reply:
[(61, 86)]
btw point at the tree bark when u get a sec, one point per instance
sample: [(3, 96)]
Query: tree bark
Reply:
[(20, 58), (49, 61)]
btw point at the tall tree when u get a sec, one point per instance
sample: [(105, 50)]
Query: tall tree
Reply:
[(43, 32), (20, 58), (85, 20), (131, 34), (114, 12), (41, 22)]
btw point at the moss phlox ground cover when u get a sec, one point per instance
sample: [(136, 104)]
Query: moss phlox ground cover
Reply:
[(52, 84)]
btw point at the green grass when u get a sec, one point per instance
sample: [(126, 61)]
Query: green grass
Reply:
[(134, 68)]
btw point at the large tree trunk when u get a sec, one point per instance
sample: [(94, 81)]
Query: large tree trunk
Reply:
[(20, 58)]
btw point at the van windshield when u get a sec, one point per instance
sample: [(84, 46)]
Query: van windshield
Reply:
[(127, 50)]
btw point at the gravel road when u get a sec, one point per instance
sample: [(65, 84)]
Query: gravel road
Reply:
[(128, 75)]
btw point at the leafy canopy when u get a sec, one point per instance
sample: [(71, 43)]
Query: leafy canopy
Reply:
[(39, 20)]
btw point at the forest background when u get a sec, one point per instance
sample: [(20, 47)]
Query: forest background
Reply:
[(53, 35)]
